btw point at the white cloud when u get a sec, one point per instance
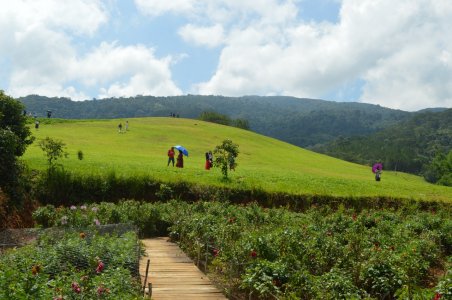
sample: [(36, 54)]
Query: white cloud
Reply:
[(50, 89), (37, 37), (158, 7), (125, 71), (400, 49), (79, 16), (212, 36)]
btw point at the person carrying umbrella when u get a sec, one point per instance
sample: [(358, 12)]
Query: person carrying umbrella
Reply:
[(376, 169), (180, 156), (180, 160)]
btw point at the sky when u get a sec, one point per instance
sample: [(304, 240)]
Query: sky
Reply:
[(397, 54)]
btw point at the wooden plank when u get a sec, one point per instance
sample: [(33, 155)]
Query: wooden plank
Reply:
[(173, 275)]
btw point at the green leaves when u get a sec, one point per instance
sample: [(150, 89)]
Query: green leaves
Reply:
[(53, 149), (67, 268), (14, 139), (225, 156)]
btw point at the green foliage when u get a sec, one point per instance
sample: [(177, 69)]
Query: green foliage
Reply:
[(148, 218), (241, 123), (15, 136), (319, 254), (53, 149), (225, 156), (67, 267), (445, 284), (409, 146), (214, 117), (440, 169), (302, 122), (267, 166), (381, 279), (165, 192)]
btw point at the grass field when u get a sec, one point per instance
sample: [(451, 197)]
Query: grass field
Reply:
[(262, 163)]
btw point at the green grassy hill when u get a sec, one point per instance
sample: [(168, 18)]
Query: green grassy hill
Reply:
[(262, 163)]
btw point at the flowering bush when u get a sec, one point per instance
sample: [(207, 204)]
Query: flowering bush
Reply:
[(319, 254), (146, 216), (322, 253), (71, 267)]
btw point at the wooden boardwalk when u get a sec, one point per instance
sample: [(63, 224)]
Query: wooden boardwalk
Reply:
[(173, 275)]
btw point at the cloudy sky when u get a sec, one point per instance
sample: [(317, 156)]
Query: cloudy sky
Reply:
[(394, 53)]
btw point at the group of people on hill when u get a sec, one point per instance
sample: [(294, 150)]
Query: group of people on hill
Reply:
[(126, 127), (180, 158)]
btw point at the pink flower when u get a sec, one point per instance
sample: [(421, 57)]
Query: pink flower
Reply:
[(76, 288), (73, 207), (96, 222), (216, 252), (102, 290), (100, 267), (83, 207)]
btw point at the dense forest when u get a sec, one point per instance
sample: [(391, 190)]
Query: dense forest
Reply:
[(420, 145), (299, 121)]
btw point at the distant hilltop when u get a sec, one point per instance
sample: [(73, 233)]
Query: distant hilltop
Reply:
[(299, 121)]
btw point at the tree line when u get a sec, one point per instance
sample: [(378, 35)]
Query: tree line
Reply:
[(420, 145), (299, 121)]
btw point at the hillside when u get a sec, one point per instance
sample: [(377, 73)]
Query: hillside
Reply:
[(408, 146), (302, 122), (263, 162)]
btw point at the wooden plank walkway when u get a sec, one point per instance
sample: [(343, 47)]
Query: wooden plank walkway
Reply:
[(173, 275)]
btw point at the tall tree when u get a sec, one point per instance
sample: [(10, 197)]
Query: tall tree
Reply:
[(15, 136)]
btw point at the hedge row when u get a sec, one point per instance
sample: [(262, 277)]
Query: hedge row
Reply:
[(61, 187)]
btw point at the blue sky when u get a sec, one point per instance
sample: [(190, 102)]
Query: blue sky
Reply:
[(396, 54)]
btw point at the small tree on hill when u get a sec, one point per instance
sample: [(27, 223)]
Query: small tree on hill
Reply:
[(225, 156), (54, 149)]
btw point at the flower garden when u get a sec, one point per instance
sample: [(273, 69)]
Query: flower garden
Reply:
[(250, 251), (72, 264)]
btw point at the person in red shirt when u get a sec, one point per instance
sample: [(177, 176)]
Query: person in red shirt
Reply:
[(170, 156)]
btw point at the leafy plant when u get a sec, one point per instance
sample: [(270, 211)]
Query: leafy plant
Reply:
[(225, 156), (53, 149), (74, 265), (15, 136)]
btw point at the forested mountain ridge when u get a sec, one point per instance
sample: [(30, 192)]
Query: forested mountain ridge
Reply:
[(409, 146), (302, 122)]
